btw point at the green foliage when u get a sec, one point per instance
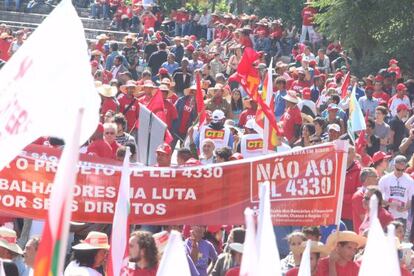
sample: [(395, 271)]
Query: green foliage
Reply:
[(374, 30), (222, 6), (288, 10)]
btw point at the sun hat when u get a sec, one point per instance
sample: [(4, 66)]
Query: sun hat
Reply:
[(345, 236), (335, 127), (291, 97), (107, 90), (129, 83), (8, 239), (94, 240)]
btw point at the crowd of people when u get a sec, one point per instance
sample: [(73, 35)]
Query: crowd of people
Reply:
[(309, 106)]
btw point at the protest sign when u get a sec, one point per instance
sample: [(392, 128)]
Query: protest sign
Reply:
[(306, 188)]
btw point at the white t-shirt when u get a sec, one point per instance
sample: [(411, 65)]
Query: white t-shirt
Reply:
[(397, 190), (73, 269)]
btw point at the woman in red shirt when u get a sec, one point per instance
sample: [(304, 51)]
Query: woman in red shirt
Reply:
[(110, 130)]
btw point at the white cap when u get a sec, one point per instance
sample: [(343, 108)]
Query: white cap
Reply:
[(335, 127), (217, 115)]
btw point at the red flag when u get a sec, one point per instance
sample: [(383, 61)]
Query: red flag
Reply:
[(245, 65), (200, 101), (345, 84), (156, 106)]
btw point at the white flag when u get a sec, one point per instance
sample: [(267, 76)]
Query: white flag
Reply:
[(120, 223), (305, 265), (269, 94), (268, 254), (45, 83), (249, 265), (174, 260), (380, 255)]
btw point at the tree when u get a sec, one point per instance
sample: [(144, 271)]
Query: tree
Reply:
[(374, 30)]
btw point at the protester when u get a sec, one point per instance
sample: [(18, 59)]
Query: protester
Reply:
[(29, 254), (292, 260)]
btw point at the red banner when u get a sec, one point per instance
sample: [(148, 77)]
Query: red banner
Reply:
[(306, 188)]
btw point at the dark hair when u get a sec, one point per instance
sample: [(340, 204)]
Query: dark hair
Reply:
[(114, 46), (321, 121), (85, 257), (335, 98), (376, 191), (119, 58), (120, 152), (239, 234), (162, 45), (236, 105), (311, 230), (132, 147), (310, 128), (184, 153), (146, 241), (224, 153), (371, 123), (382, 109), (119, 118), (281, 80)]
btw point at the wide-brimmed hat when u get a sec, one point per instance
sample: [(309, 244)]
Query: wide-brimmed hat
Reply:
[(94, 240), (189, 89), (167, 82), (216, 87), (345, 236), (8, 239), (107, 90), (291, 97), (316, 247), (129, 83), (129, 36), (148, 84), (102, 36), (163, 87)]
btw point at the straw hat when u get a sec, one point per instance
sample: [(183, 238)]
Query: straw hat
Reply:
[(189, 89), (345, 236), (216, 87), (129, 36), (316, 247), (148, 84), (167, 82), (107, 90), (130, 83), (102, 36), (94, 240), (291, 97), (163, 87), (8, 240)]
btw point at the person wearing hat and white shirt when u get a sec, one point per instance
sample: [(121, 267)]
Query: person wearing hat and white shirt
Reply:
[(397, 189), (251, 143), (291, 120), (10, 252), (218, 102), (215, 130), (341, 260), (108, 99), (89, 255)]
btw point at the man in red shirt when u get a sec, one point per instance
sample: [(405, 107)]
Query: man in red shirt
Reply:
[(164, 153), (128, 104), (352, 183), (378, 91), (367, 177), (5, 41), (291, 120), (169, 108), (308, 14), (341, 260), (109, 102)]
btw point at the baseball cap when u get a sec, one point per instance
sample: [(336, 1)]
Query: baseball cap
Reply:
[(217, 115), (393, 61), (380, 155), (306, 93), (164, 148), (163, 71), (401, 87), (402, 107), (335, 127), (333, 106)]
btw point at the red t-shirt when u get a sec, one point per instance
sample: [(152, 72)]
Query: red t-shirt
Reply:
[(108, 104), (235, 271), (172, 98), (357, 208), (350, 269), (246, 41), (384, 217), (149, 22), (396, 70), (381, 95), (182, 17), (114, 146), (298, 85), (246, 115), (4, 49), (100, 148), (338, 48), (126, 271), (170, 113), (133, 112), (289, 119), (308, 14), (295, 271), (352, 183)]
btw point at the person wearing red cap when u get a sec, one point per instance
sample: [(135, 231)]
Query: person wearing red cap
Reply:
[(399, 98), (306, 105), (163, 153), (158, 58), (380, 162), (397, 125), (393, 67)]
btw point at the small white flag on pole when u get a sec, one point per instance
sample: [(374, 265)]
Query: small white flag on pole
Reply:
[(45, 83), (305, 265), (268, 254), (120, 224), (249, 265), (174, 260)]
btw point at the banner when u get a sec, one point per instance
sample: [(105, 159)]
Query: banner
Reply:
[(306, 188)]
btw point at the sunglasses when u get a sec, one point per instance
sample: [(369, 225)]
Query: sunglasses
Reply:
[(400, 170), (110, 132)]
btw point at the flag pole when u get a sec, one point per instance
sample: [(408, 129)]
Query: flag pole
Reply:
[(269, 91)]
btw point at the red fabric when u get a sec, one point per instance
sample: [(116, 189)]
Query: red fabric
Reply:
[(40, 140), (132, 114), (350, 269), (299, 85), (126, 271), (352, 183), (289, 119), (396, 70), (114, 146), (246, 41), (338, 48), (172, 98), (156, 105), (4, 49), (201, 109), (114, 3), (235, 271), (405, 272), (245, 66), (148, 22), (381, 95), (357, 208), (108, 104), (246, 115), (345, 84), (181, 17), (186, 113), (100, 148), (170, 113), (295, 272), (384, 217), (308, 14)]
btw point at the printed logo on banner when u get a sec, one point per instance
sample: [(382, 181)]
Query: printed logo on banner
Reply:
[(296, 179), (254, 144), (214, 134)]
